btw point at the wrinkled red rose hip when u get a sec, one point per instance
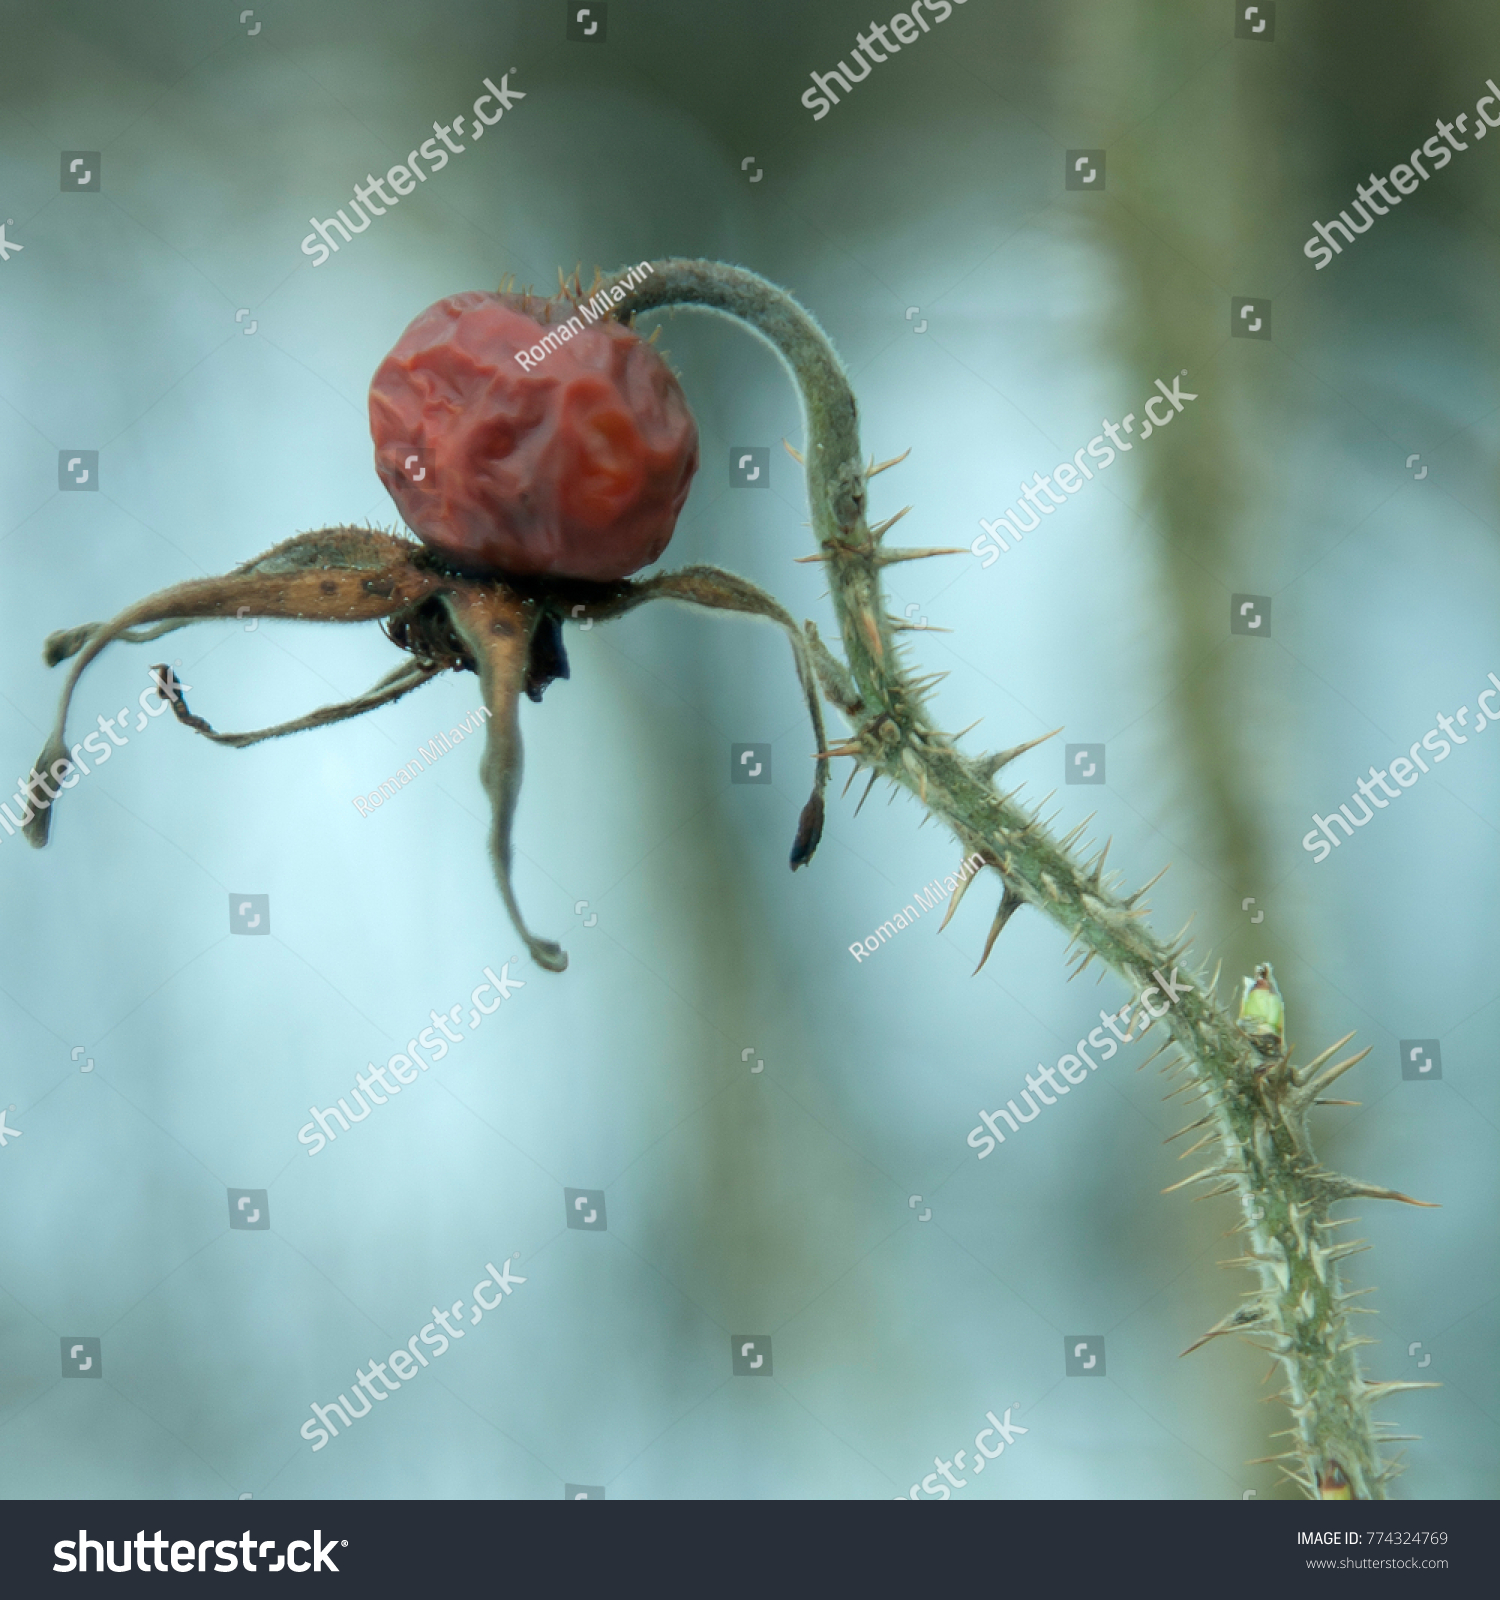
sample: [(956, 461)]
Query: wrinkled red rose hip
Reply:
[(577, 468)]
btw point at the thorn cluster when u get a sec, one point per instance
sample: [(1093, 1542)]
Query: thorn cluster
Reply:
[(1255, 1109)]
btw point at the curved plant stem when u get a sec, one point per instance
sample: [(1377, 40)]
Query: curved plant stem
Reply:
[(1254, 1112)]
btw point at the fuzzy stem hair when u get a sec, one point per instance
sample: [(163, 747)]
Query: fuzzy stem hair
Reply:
[(1258, 1114)]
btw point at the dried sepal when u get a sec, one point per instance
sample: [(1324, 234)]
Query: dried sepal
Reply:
[(333, 575)]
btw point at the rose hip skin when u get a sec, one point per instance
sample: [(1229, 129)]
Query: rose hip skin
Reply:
[(577, 468)]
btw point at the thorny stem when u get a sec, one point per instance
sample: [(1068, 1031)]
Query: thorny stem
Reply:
[(1257, 1114)]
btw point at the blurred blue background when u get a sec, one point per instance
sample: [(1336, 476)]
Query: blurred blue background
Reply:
[(989, 319)]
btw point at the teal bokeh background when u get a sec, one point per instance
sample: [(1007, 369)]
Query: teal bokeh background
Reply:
[(776, 1201)]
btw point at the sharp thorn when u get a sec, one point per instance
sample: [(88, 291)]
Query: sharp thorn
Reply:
[(1097, 877), (1302, 1074), (1083, 965), (895, 461), (1226, 1187), (1342, 1188), (1130, 900), (958, 894), (1357, 1248), (1311, 1086), (1066, 842), (1160, 1049), (1197, 1177), (1241, 1321), (1201, 1122), (880, 530), (990, 765), (887, 558), (1376, 1392), (866, 795), (1010, 903)]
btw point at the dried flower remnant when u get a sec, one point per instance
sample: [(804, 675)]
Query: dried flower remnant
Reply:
[(535, 495)]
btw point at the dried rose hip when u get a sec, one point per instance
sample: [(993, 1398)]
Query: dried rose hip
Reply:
[(575, 468), (572, 462)]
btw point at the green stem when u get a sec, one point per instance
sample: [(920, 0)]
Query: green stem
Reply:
[(1256, 1115)]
